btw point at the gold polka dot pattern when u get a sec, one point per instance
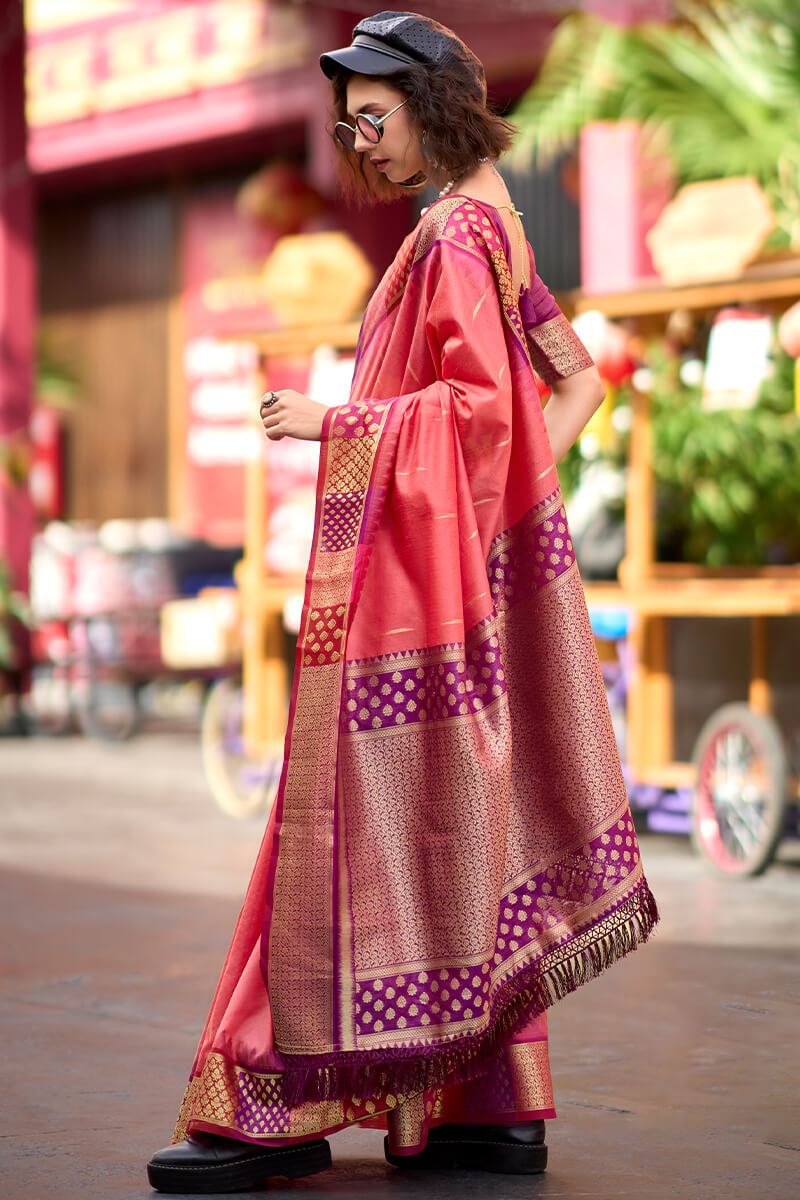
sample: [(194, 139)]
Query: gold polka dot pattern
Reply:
[(324, 632), (464, 680), (532, 555)]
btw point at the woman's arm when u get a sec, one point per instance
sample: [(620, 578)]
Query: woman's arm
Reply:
[(562, 361), (573, 401)]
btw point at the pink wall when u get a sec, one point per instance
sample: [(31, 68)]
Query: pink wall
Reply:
[(627, 12), (17, 284), (623, 192)]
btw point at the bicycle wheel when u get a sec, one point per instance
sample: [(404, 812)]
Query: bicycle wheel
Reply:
[(48, 703), (107, 709), (241, 786), (739, 807)]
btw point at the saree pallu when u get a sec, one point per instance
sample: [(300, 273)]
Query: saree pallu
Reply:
[(451, 848)]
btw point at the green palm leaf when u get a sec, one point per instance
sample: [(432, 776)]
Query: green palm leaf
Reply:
[(722, 90)]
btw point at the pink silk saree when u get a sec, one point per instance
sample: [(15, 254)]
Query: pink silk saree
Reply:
[(451, 848)]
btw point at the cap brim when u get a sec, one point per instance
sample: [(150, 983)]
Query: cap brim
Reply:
[(362, 60)]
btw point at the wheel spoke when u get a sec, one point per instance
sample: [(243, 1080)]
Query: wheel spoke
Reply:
[(736, 797)]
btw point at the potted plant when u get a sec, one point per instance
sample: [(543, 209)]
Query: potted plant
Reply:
[(727, 488)]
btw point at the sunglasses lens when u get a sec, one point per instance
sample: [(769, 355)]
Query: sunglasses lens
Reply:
[(367, 129), (346, 135)]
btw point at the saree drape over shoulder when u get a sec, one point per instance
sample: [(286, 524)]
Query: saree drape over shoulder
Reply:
[(451, 848)]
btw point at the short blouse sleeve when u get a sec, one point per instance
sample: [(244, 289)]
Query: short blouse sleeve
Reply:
[(556, 350)]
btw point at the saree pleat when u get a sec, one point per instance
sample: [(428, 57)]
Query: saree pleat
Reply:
[(451, 849)]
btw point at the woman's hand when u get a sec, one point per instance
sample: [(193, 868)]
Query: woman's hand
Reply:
[(291, 414)]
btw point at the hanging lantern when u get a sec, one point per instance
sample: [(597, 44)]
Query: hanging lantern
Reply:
[(609, 346)]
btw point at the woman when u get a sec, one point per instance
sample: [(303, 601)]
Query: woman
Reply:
[(451, 848)]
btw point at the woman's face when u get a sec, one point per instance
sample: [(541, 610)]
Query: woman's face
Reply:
[(398, 155)]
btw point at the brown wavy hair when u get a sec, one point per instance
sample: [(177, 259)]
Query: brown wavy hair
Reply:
[(446, 104)]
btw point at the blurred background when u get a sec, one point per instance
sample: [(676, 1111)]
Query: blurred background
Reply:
[(172, 242)]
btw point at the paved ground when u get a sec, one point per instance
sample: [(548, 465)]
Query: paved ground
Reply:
[(676, 1073)]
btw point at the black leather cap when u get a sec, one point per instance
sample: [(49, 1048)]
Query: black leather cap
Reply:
[(391, 41)]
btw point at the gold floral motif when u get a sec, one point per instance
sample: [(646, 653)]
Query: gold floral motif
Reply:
[(458, 765), (406, 1122), (556, 350), (433, 226), (185, 1111), (215, 1097), (350, 464), (542, 512), (559, 715), (323, 634), (529, 1065), (249, 1102)]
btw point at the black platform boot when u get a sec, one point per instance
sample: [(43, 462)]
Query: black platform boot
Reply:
[(206, 1163), (507, 1149)]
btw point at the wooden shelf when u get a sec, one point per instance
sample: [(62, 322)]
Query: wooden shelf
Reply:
[(300, 339), (771, 281), (702, 597), (669, 775), (721, 598), (655, 592), (605, 595)]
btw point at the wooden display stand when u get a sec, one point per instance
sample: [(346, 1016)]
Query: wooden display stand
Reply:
[(652, 591)]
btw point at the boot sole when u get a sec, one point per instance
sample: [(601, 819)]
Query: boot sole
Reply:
[(292, 1163), (503, 1158)]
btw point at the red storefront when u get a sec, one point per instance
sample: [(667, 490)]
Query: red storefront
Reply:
[(145, 123)]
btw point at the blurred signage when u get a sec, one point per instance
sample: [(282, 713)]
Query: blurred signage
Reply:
[(133, 54), (222, 257), (311, 278), (738, 358), (44, 15), (711, 230)]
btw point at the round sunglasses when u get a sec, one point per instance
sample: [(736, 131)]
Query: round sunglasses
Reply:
[(370, 128)]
